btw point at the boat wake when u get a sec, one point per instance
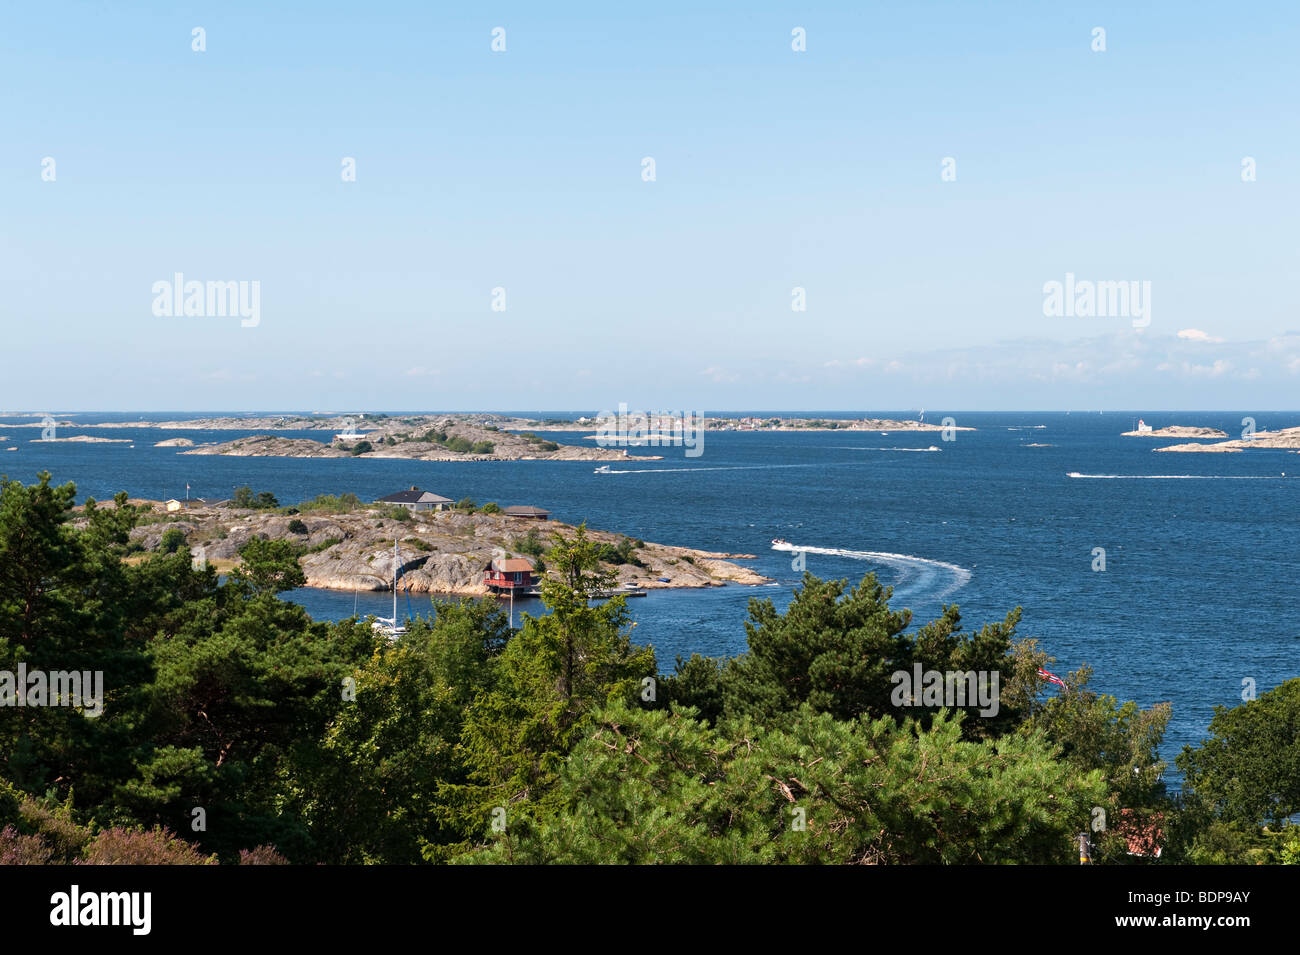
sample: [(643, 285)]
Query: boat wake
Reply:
[(738, 467), (916, 574), (1178, 477), (849, 447)]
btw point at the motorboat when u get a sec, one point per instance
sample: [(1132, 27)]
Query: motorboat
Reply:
[(603, 469), (779, 540)]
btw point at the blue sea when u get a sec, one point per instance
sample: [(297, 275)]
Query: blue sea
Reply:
[(1198, 592)]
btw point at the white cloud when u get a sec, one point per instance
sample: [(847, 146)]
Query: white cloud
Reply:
[(1196, 335)]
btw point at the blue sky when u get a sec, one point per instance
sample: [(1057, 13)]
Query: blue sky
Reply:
[(775, 169)]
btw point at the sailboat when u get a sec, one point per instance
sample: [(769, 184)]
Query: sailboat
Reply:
[(389, 626)]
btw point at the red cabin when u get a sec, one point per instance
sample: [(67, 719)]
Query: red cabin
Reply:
[(510, 575)]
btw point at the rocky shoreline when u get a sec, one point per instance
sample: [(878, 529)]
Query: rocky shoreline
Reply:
[(1177, 431), (1287, 439), (443, 552)]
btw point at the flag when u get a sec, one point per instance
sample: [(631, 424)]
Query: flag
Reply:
[(1052, 678)]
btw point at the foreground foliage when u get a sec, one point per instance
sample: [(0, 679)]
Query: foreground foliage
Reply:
[(236, 729)]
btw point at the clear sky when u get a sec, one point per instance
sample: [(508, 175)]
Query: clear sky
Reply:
[(774, 169)]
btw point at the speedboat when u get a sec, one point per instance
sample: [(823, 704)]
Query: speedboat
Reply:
[(779, 540), (603, 469)]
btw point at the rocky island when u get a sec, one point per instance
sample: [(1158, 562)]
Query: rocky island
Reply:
[(1286, 439), (1177, 431), (419, 438), (345, 544)]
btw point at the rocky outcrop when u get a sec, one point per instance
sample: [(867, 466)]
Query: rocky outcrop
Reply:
[(441, 552), (1177, 431), (1287, 439)]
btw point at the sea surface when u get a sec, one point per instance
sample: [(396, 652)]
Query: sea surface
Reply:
[(1198, 593)]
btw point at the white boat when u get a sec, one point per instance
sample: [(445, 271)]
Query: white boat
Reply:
[(777, 541), (349, 436), (603, 469), (389, 626)]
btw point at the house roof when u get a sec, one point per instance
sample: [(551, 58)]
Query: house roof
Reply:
[(510, 565), (1145, 837), (414, 496), (525, 510)]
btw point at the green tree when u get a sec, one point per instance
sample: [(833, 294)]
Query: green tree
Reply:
[(173, 539), (1248, 770), (269, 566), (552, 674), (657, 786)]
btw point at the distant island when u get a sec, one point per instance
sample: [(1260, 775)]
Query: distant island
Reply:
[(1287, 439), (657, 422), (418, 438), (1176, 431), (667, 424), (347, 544)]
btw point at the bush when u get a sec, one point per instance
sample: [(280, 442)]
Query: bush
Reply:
[(244, 497), (331, 504), (361, 447), (297, 527), (530, 544), (465, 504), (396, 513), (262, 855), (173, 539), (491, 507), (142, 847), (483, 447), (326, 544)]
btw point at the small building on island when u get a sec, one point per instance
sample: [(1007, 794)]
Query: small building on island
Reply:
[(509, 575), (417, 500), (176, 504), (527, 511)]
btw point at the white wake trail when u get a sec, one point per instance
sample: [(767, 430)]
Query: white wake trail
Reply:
[(1179, 477), (738, 467), (930, 449), (917, 572)]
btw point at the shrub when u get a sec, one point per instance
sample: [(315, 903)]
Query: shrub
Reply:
[(465, 504), (262, 855), (323, 545), (173, 539), (530, 544), (16, 849), (483, 447), (331, 504), (244, 497), (155, 846), (361, 447), (491, 507), (297, 527)]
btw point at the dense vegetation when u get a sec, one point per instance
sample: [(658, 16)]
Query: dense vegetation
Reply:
[(236, 729)]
